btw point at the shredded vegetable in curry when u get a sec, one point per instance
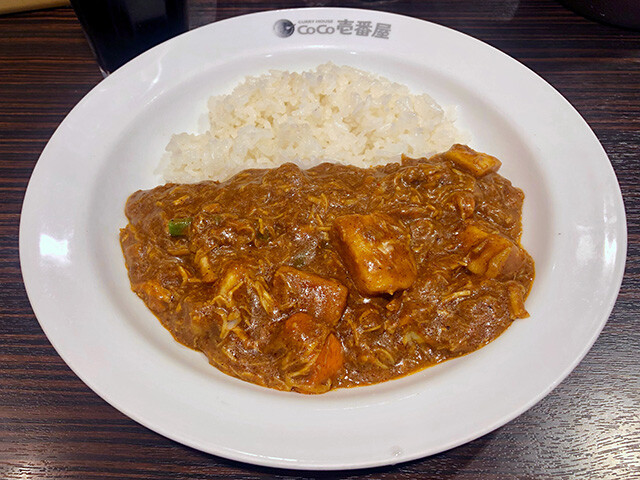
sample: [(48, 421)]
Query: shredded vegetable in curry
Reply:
[(335, 276)]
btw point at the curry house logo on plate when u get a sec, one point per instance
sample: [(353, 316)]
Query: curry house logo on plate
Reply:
[(361, 28)]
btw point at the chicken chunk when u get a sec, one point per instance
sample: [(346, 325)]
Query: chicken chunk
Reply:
[(490, 254), (321, 297), (479, 164), (375, 249), (233, 278)]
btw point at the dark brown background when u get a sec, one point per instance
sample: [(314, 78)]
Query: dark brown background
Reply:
[(53, 427)]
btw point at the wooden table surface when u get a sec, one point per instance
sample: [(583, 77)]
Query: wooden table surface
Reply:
[(52, 426)]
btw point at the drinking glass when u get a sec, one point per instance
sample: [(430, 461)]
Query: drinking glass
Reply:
[(119, 30)]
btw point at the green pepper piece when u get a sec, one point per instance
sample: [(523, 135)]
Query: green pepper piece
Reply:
[(179, 226), (264, 236)]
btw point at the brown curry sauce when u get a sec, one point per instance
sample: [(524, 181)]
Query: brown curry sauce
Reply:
[(335, 276)]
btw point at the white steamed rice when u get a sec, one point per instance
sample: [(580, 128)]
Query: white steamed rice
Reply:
[(333, 113)]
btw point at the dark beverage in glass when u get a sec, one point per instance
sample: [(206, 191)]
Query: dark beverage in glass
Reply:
[(119, 30)]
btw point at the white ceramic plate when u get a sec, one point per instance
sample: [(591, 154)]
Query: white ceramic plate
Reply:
[(110, 145)]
